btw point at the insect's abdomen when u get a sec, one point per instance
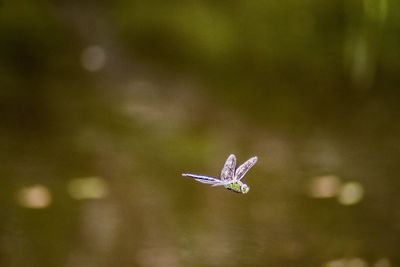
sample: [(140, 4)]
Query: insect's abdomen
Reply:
[(235, 187)]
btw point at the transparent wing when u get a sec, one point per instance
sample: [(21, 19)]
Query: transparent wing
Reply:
[(203, 179), (242, 169), (228, 171)]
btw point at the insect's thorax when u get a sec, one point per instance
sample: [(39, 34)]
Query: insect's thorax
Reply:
[(235, 186)]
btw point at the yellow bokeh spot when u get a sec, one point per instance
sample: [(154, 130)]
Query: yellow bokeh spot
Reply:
[(324, 186), (383, 262), (349, 262), (34, 197), (350, 193), (93, 58)]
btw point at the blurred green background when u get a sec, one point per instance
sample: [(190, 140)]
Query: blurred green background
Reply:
[(103, 104)]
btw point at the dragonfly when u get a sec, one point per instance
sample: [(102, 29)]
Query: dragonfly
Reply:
[(230, 177)]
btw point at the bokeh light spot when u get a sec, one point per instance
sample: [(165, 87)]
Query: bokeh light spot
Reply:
[(350, 193), (356, 262), (34, 197), (324, 186), (93, 58), (351, 262), (88, 188), (383, 262), (336, 263)]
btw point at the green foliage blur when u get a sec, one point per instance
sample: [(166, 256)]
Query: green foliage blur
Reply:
[(103, 104)]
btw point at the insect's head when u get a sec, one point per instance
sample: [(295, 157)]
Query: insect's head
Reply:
[(244, 188)]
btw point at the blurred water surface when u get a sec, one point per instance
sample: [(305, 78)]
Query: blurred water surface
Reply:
[(104, 105)]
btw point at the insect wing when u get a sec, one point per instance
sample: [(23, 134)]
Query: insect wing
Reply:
[(202, 178), (228, 171), (242, 169)]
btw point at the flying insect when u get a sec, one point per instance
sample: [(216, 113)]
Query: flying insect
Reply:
[(230, 176)]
